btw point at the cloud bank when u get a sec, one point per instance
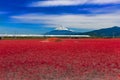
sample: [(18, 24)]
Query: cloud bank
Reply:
[(72, 21)]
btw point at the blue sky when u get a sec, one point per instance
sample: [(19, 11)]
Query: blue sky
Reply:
[(40, 16)]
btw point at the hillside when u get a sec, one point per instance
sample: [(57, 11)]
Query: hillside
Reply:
[(106, 32)]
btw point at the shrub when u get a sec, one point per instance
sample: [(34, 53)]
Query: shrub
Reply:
[(54, 39)]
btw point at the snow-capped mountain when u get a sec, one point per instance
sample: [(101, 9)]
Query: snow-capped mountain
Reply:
[(61, 31), (61, 28)]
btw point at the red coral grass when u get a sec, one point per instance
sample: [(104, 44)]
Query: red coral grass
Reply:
[(71, 59)]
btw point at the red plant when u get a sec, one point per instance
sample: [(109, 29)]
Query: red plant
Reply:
[(71, 59)]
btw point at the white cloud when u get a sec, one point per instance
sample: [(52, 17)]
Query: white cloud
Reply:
[(72, 21), (57, 3), (105, 1), (70, 2)]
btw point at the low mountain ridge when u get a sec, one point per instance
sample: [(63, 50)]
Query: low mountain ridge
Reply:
[(106, 32)]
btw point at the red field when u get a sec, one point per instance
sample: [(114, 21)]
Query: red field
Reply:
[(83, 59)]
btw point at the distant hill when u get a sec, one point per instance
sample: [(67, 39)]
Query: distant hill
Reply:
[(106, 32)]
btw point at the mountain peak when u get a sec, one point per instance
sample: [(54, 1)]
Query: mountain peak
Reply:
[(61, 28)]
